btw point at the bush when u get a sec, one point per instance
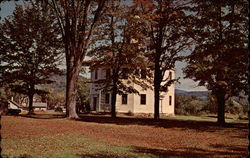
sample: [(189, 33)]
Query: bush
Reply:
[(58, 109), (233, 107), (195, 107), (14, 111), (186, 105)]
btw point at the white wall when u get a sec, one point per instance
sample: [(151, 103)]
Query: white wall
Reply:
[(129, 107), (12, 106), (134, 104)]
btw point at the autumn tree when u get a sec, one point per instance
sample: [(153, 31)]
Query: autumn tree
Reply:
[(29, 50), (77, 20), (220, 58), (120, 51), (168, 37)]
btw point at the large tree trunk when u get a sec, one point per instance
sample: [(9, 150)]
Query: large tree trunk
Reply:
[(221, 108), (73, 69), (31, 95), (31, 104), (113, 101), (3, 107), (156, 91)]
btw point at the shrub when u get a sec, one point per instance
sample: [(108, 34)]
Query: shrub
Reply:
[(58, 109), (186, 105), (233, 107), (130, 113)]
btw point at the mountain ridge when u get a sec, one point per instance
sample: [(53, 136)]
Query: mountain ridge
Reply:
[(199, 94)]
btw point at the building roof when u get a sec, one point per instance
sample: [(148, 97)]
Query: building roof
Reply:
[(92, 65), (40, 105), (16, 104)]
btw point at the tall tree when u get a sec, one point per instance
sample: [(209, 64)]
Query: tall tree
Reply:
[(29, 50), (77, 20), (120, 52), (168, 37), (219, 60)]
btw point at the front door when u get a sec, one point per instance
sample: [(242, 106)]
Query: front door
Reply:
[(94, 103)]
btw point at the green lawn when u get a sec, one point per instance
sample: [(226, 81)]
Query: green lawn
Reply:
[(59, 145), (210, 118), (94, 136)]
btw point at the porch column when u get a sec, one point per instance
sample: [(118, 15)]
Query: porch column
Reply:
[(100, 100)]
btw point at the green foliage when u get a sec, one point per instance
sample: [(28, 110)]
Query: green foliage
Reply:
[(219, 60), (83, 86), (220, 57), (30, 48), (186, 105), (191, 105), (54, 99), (211, 105), (234, 107)]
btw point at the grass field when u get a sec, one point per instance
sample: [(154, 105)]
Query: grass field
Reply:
[(93, 136)]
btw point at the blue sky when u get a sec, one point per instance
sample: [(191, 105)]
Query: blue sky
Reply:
[(185, 84)]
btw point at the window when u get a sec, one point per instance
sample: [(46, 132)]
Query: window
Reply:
[(124, 99), (124, 73), (170, 100), (143, 73), (170, 75), (108, 73), (107, 98), (143, 99), (96, 74)]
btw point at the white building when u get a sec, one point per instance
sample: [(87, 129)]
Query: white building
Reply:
[(13, 105), (143, 103)]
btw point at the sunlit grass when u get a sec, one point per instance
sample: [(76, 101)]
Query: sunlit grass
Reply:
[(211, 118), (60, 146), (61, 137)]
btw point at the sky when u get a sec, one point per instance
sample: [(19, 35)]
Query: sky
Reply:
[(185, 84)]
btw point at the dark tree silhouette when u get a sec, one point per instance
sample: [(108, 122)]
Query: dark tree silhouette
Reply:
[(122, 53), (220, 58), (168, 36), (29, 50), (77, 20)]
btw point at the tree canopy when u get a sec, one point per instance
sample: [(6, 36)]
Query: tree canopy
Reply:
[(77, 20), (168, 36), (219, 60), (119, 51), (30, 50)]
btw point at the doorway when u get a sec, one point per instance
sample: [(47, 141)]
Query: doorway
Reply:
[(94, 103)]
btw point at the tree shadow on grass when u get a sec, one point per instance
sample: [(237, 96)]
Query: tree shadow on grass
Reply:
[(239, 152), (102, 155), (187, 153), (179, 153), (234, 149), (43, 116), (163, 123)]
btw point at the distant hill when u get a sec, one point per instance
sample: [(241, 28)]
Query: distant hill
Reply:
[(199, 94), (243, 99), (60, 83)]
